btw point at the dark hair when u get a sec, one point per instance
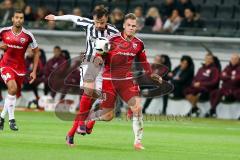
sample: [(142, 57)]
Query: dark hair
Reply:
[(100, 11), (57, 47), (166, 61), (18, 11), (130, 16), (189, 61), (217, 63)]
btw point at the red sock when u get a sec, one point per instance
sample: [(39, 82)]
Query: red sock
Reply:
[(73, 129), (84, 109)]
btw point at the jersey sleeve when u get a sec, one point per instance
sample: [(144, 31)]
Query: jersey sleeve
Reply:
[(81, 21), (112, 30), (143, 59), (33, 43)]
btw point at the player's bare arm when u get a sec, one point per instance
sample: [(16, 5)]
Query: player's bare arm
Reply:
[(33, 74), (71, 18)]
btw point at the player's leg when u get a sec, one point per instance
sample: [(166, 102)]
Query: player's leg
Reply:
[(79, 122), (10, 103), (92, 89), (9, 78), (129, 92), (106, 110), (98, 86), (87, 82), (135, 104), (85, 106)]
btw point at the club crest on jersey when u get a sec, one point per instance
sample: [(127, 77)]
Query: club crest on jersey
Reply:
[(134, 45), (22, 40)]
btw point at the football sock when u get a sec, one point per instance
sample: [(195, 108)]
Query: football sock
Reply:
[(84, 109), (4, 111), (138, 128), (10, 102), (85, 106), (73, 129)]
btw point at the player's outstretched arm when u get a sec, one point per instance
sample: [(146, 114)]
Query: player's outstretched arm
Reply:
[(82, 21)]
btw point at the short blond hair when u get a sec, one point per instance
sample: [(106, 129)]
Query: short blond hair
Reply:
[(131, 16)]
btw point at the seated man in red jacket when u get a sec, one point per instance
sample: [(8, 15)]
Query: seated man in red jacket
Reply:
[(206, 80), (230, 86)]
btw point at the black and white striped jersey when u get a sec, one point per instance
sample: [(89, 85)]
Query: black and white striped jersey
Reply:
[(91, 32)]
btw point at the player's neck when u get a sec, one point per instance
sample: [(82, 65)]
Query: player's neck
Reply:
[(16, 30), (127, 37)]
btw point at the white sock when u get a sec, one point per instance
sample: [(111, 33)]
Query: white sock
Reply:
[(10, 102), (138, 128), (4, 111)]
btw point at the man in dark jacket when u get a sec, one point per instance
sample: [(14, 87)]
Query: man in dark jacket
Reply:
[(58, 60), (182, 76), (230, 87), (206, 80)]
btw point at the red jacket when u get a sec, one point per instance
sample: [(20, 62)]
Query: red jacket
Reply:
[(232, 78), (208, 76)]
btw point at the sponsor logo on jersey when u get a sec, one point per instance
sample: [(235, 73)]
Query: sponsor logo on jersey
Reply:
[(8, 38), (14, 46), (126, 54)]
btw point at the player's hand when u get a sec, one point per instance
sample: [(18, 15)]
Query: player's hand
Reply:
[(33, 76), (98, 61), (50, 17), (156, 77), (4, 47)]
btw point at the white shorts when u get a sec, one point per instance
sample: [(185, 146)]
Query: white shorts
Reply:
[(89, 72)]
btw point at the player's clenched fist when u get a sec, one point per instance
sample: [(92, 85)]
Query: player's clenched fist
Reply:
[(33, 76), (156, 77), (50, 17)]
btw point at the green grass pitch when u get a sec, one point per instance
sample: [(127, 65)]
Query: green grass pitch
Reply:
[(42, 137)]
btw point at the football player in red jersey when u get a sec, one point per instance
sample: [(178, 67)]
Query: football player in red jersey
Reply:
[(118, 78), (15, 40)]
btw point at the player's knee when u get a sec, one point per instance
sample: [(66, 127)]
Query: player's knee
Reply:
[(12, 89), (88, 91), (136, 109), (108, 116)]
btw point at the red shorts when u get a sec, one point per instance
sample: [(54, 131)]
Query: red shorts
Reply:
[(8, 74), (126, 89)]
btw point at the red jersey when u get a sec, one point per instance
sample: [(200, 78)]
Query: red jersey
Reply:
[(118, 61), (17, 45)]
